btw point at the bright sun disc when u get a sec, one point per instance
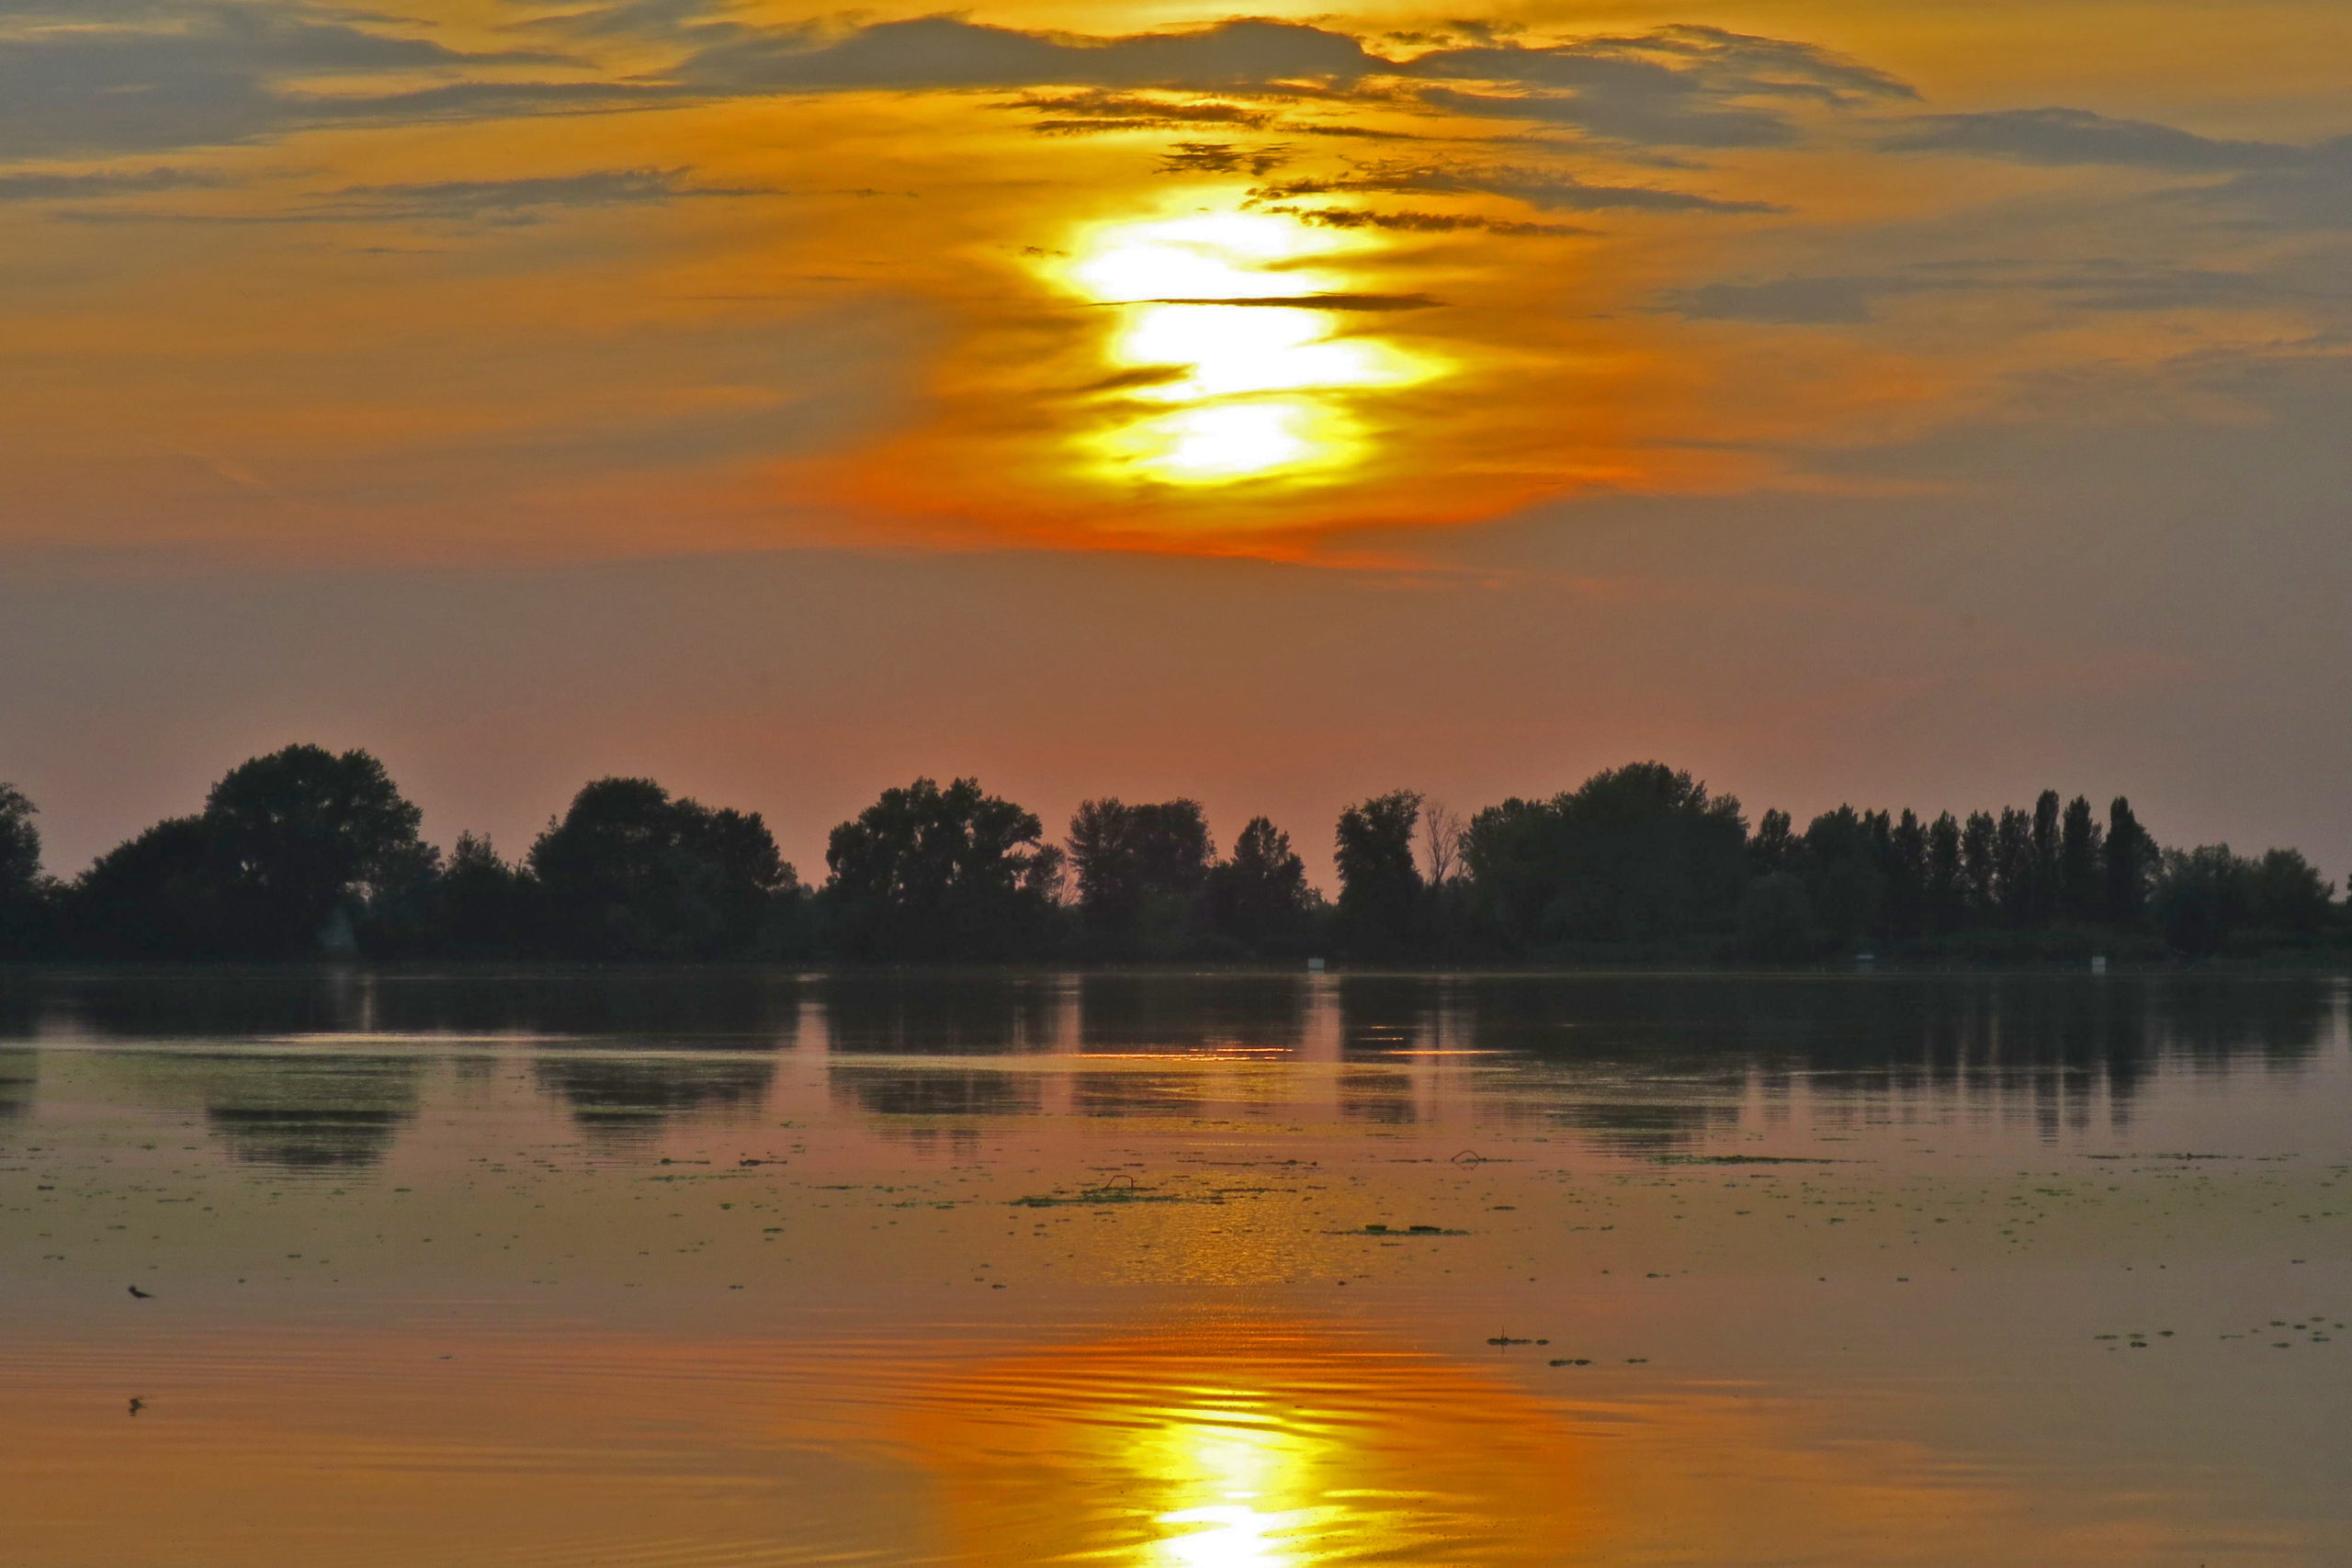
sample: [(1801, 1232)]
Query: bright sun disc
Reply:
[(1216, 363), (1231, 440)]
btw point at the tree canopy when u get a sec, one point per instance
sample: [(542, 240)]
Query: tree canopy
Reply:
[(1139, 864), (630, 873), (926, 872), (1380, 886), (304, 852), (1634, 855), (298, 833)]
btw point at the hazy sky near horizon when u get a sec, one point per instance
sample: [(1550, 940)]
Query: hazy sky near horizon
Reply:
[(1902, 402)]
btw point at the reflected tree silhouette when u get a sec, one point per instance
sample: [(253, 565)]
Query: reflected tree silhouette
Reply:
[(19, 1078), (934, 1091), (295, 1115), (1137, 1094), (977, 1012), (625, 1099), (1144, 1012), (1384, 1098), (1648, 1061)]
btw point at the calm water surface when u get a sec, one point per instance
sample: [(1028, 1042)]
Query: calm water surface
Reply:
[(1220, 1270)]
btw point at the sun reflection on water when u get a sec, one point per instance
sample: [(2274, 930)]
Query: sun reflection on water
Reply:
[(1231, 368), (1232, 1469), (1250, 1452)]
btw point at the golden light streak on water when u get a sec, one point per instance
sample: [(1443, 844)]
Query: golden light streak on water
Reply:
[(1279, 1447)]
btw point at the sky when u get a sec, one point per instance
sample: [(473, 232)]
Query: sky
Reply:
[(1910, 403)]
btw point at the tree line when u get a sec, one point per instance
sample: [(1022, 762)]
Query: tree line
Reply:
[(305, 853)]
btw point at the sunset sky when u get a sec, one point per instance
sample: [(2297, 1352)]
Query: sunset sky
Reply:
[(1913, 401)]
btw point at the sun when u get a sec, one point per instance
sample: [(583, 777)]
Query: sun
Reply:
[(1233, 369)]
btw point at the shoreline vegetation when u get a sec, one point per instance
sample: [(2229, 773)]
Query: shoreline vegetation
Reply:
[(305, 854)]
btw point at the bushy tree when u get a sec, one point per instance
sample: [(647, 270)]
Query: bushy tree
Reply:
[(1776, 920), (927, 874), (304, 833), (630, 873), (484, 907), (289, 848), (2201, 898), (158, 895), (24, 892), (1845, 857), (1258, 899), (2286, 894), (1140, 869), (19, 843), (2206, 898), (1639, 853), (1775, 846), (1380, 887)]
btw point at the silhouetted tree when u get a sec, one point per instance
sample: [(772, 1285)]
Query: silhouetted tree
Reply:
[(1980, 865), (155, 896), (1441, 835), (1776, 919), (25, 894), (2205, 897), (2201, 898), (303, 850), (303, 835), (931, 874), (2042, 903), (1638, 853), (2081, 883), (1258, 899), (1139, 871), (485, 907), (1845, 852), (1380, 890), (289, 852), (2016, 870), (630, 873), (2132, 859), (2286, 894), (19, 843), (1775, 846), (1947, 891), (1905, 913)]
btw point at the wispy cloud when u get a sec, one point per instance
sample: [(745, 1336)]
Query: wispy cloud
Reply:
[(1547, 189), (2095, 284), (1409, 222), (1677, 86), (35, 184), (122, 75), (1224, 158), (117, 78), (2312, 191), (495, 202), (1095, 112), (947, 52), (2283, 186), (522, 200), (2064, 136)]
